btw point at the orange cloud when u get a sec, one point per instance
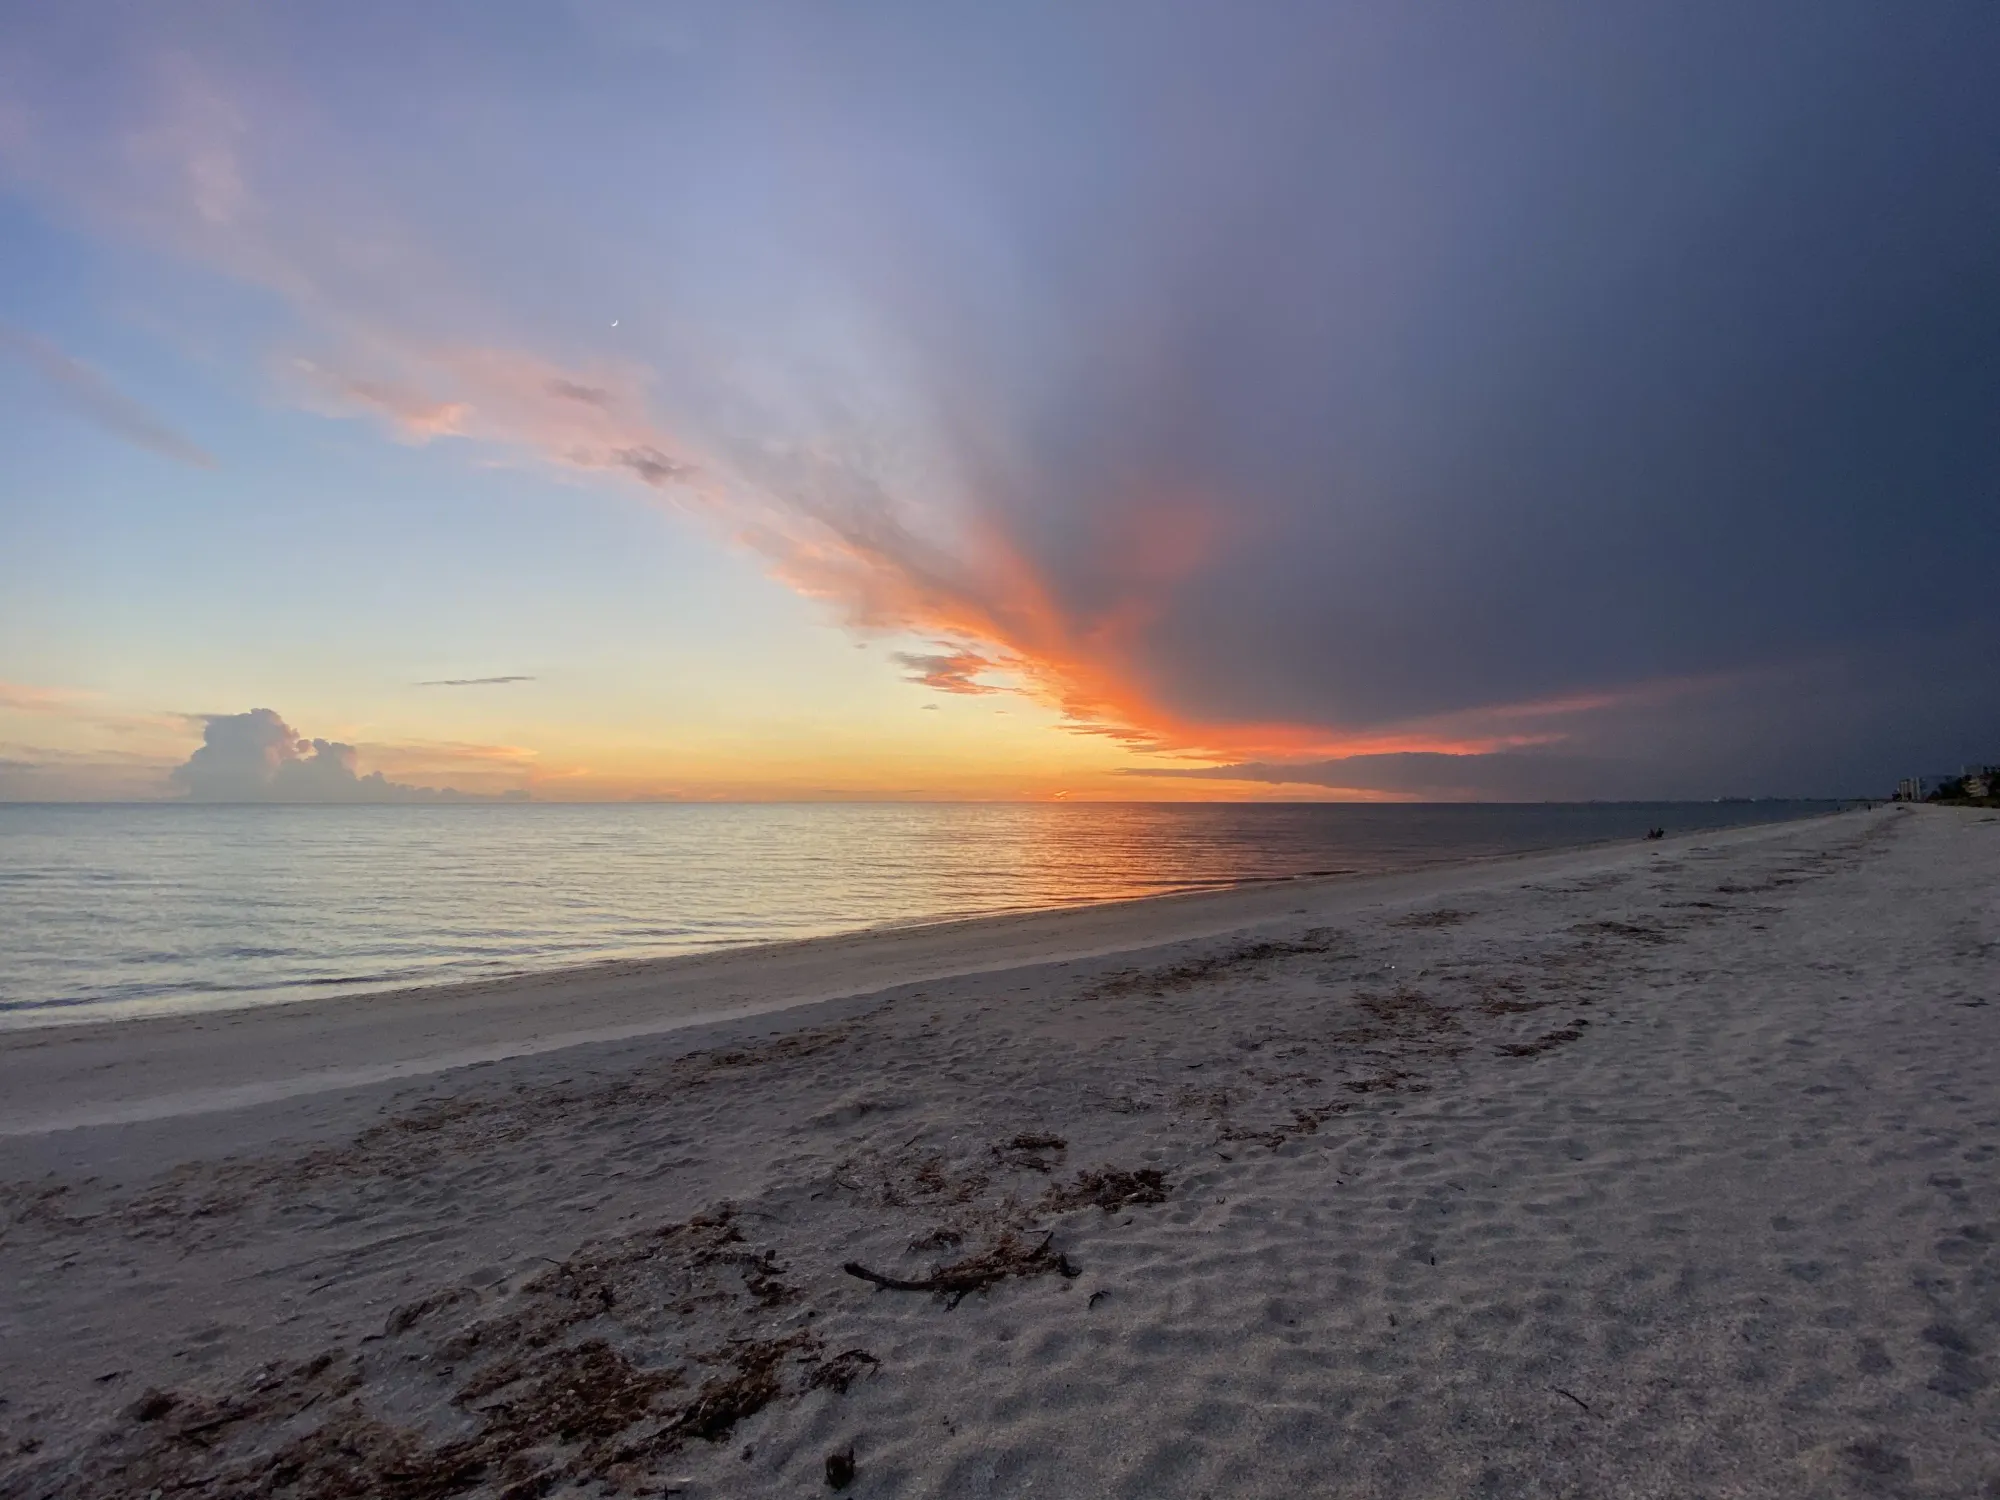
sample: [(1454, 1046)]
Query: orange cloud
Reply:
[(465, 765), (828, 533), (949, 671), (205, 179), (409, 755)]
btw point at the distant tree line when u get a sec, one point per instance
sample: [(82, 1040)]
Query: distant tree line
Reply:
[(1978, 788)]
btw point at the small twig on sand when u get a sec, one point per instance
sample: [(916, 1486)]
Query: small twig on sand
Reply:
[(855, 1268), (975, 1273), (1577, 1399)]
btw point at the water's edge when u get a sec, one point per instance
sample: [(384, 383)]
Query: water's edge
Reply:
[(114, 912)]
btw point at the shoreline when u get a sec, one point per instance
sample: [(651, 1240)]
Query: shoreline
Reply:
[(126, 1070), (324, 991), (317, 968), (1646, 1170)]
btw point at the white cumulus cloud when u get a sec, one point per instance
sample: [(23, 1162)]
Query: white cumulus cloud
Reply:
[(258, 757)]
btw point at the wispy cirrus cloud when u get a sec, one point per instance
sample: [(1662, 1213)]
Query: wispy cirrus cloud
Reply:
[(85, 391), (83, 706), (409, 416), (475, 681), (25, 698)]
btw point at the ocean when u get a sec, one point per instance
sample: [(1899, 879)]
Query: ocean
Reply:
[(109, 911)]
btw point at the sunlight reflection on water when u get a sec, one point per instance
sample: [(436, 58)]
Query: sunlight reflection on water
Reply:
[(118, 910)]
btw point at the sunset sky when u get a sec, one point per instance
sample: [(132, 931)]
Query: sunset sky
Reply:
[(621, 398)]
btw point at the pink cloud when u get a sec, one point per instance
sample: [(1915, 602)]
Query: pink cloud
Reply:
[(210, 169)]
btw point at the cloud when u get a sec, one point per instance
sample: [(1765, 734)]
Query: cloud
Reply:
[(651, 465), (590, 395), (467, 766), (79, 707), (948, 671), (1839, 724), (25, 698), (1534, 392), (1507, 776), (474, 681), (591, 422), (413, 417), (258, 757), (88, 394), (222, 150)]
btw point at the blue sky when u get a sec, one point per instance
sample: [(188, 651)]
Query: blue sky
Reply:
[(1117, 400)]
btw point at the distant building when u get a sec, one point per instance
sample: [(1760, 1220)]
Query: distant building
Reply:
[(1909, 789), (1977, 784)]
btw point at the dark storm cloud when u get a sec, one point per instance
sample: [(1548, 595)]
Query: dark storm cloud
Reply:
[(1512, 357), (1846, 725), (1507, 776)]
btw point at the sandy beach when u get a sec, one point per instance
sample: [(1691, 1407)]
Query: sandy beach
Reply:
[(1659, 1169)]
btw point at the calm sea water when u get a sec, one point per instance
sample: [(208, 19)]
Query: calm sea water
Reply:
[(119, 910)]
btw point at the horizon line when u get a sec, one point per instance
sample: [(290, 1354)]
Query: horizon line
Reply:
[(480, 800)]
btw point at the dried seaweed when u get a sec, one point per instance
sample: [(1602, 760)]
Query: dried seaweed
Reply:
[(584, 1393), (1517, 1007), (588, 1284), (354, 1457), (1305, 1121), (406, 1317), (1108, 1188), (1386, 1081), (1409, 1012), (838, 1373), (1443, 916), (751, 1385), (1543, 1044), (1205, 967), (1029, 1152), (1638, 932)]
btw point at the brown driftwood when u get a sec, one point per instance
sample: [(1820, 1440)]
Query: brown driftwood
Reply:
[(1008, 1258)]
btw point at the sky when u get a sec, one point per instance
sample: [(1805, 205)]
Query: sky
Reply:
[(603, 399)]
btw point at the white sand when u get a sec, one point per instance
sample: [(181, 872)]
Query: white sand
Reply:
[(1658, 1170)]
